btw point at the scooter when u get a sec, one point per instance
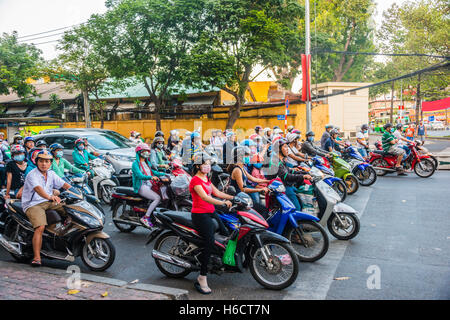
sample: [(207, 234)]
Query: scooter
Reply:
[(79, 181), (383, 162), (343, 170), (336, 183), (341, 220), (360, 168), (79, 233), (270, 257), (103, 180)]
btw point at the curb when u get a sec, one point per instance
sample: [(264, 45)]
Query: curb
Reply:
[(173, 293)]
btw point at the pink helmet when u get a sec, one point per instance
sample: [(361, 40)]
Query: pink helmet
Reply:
[(141, 147)]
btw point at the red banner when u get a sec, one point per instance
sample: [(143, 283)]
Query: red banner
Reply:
[(306, 87)]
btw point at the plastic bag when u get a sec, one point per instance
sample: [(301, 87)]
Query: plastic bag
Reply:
[(308, 200), (228, 256), (180, 185)]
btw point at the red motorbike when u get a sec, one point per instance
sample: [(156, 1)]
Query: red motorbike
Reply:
[(383, 162)]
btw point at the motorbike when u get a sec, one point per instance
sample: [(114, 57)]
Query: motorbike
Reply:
[(79, 233), (424, 151), (343, 170), (360, 168), (336, 183), (271, 259), (306, 235), (79, 181), (383, 162), (103, 180), (341, 220), (129, 207)]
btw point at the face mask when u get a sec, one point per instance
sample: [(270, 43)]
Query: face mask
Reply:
[(205, 168), (145, 154), (311, 139), (80, 147), (246, 160), (19, 158), (159, 145), (59, 154)]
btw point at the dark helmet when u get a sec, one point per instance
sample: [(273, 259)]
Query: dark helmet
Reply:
[(239, 153), (159, 134), (28, 139), (364, 127), (334, 131), (399, 126), (387, 125), (55, 146), (41, 143), (258, 128), (310, 133), (157, 140)]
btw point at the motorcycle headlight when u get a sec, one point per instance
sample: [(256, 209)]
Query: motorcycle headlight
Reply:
[(281, 188), (86, 218)]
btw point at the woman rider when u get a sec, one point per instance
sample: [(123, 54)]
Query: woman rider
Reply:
[(203, 213), (59, 163), (294, 157), (15, 172), (143, 178), (81, 157), (240, 177), (289, 177), (158, 157)]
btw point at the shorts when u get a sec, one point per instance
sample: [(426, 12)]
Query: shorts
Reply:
[(36, 214), (396, 151)]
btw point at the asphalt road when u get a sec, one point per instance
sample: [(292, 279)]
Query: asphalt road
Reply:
[(401, 252)]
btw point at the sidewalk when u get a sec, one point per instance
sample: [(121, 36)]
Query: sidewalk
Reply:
[(23, 282)]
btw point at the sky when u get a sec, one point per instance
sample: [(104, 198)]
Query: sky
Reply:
[(29, 17)]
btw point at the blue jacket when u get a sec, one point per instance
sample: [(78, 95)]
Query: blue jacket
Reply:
[(139, 177)]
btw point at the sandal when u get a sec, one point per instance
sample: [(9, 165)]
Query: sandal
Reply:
[(200, 289), (36, 263)]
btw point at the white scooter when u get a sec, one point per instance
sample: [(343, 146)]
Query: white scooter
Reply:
[(341, 219), (103, 181)]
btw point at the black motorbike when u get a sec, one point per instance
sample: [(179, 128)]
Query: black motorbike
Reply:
[(78, 233), (271, 259)]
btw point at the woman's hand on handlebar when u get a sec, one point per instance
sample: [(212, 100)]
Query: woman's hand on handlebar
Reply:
[(307, 176), (55, 199), (227, 203)]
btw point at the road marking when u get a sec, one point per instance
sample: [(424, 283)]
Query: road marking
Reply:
[(315, 279)]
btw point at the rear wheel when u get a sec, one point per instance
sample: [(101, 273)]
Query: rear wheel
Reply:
[(13, 233), (309, 240), (382, 164), (425, 168), (351, 183), (172, 244), (118, 210)]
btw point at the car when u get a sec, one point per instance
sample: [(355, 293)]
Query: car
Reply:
[(116, 148), (437, 125)]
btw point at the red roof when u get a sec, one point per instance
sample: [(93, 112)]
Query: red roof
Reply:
[(436, 105)]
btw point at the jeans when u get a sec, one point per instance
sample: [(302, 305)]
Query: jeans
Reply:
[(2, 176), (363, 152), (292, 195), (254, 195), (407, 151)]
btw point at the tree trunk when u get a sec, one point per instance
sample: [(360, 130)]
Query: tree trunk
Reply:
[(87, 109), (233, 114), (158, 115), (102, 121)]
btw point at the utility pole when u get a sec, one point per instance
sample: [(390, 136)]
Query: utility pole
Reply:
[(87, 109), (307, 52), (392, 104), (418, 100)]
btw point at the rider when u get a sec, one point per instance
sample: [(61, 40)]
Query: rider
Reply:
[(294, 156), (15, 171), (240, 176), (330, 145), (228, 147), (325, 136), (191, 145), (38, 196), (41, 144), (59, 163), (389, 146), (143, 176), (173, 140), (361, 143), (158, 159), (17, 139), (86, 144), (81, 157), (29, 144), (309, 148), (289, 177), (401, 140), (203, 213)]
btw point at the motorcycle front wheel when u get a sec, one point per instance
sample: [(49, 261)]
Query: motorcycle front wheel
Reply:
[(425, 168), (309, 240), (105, 193), (99, 254), (340, 187), (367, 177), (279, 270), (345, 230)]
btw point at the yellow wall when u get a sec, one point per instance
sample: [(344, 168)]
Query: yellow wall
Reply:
[(244, 126), (260, 90)]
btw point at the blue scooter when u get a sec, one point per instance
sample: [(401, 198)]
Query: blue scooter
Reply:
[(336, 183), (308, 238), (365, 173)]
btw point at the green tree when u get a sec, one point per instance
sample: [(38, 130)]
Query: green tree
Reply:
[(18, 62), (238, 36)]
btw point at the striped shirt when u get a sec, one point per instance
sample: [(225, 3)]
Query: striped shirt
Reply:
[(386, 140)]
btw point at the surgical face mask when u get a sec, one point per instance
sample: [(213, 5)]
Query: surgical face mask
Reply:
[(145, 154), (59, 154), (159, 145), (81, 147), (311, 139), (246, 160), (205, 168), (19, 158)]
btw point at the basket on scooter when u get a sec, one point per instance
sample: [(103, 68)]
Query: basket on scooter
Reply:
[(180, 185)]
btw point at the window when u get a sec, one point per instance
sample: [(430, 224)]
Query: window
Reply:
[(69, 142), (52, 139), (104, 141)]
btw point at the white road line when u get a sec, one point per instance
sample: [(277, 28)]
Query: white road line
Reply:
[(314, 279)]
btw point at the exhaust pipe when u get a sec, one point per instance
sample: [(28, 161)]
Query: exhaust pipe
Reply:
[(385, 169), (172, 259), (132, 223), (12, 247)]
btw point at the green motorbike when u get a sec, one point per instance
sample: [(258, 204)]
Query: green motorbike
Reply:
[(343, 170)]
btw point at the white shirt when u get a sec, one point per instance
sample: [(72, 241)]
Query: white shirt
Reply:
[(360, 135), (289, 160), (398, 135), (35, 179)]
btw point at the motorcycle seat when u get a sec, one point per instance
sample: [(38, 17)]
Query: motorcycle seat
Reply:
[(385, 154), (184, 218), (223, 176), (127, 191), (51, 215), (17, 206)]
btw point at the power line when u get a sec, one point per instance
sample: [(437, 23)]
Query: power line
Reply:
[(36, 44), (51, 35), (36, 34), (382, 54)]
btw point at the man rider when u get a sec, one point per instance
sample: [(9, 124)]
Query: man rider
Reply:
[(390, 146), (401, 140), (37, 197), (325, 135), (309, 148), (361, 143)]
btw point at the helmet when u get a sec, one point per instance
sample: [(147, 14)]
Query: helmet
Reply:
[(310, 133), (328, 126), (195, 134), (276, 127), (230, 134), (41, 143), (277, 131), (173, 132), (141, 147), (296, 131), (17, 137), (132, 133), (201, 158), (290, 128), (291, 137), (248, 143), (79, 141), (28, 139), (399, 126), (364, 127), (158, 139), (55, 146), (278, 144), (267, 130), (43, 154), (240, 152), (159, 134), (334, 131), (258, 128), (17, 148), (387, 125)]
